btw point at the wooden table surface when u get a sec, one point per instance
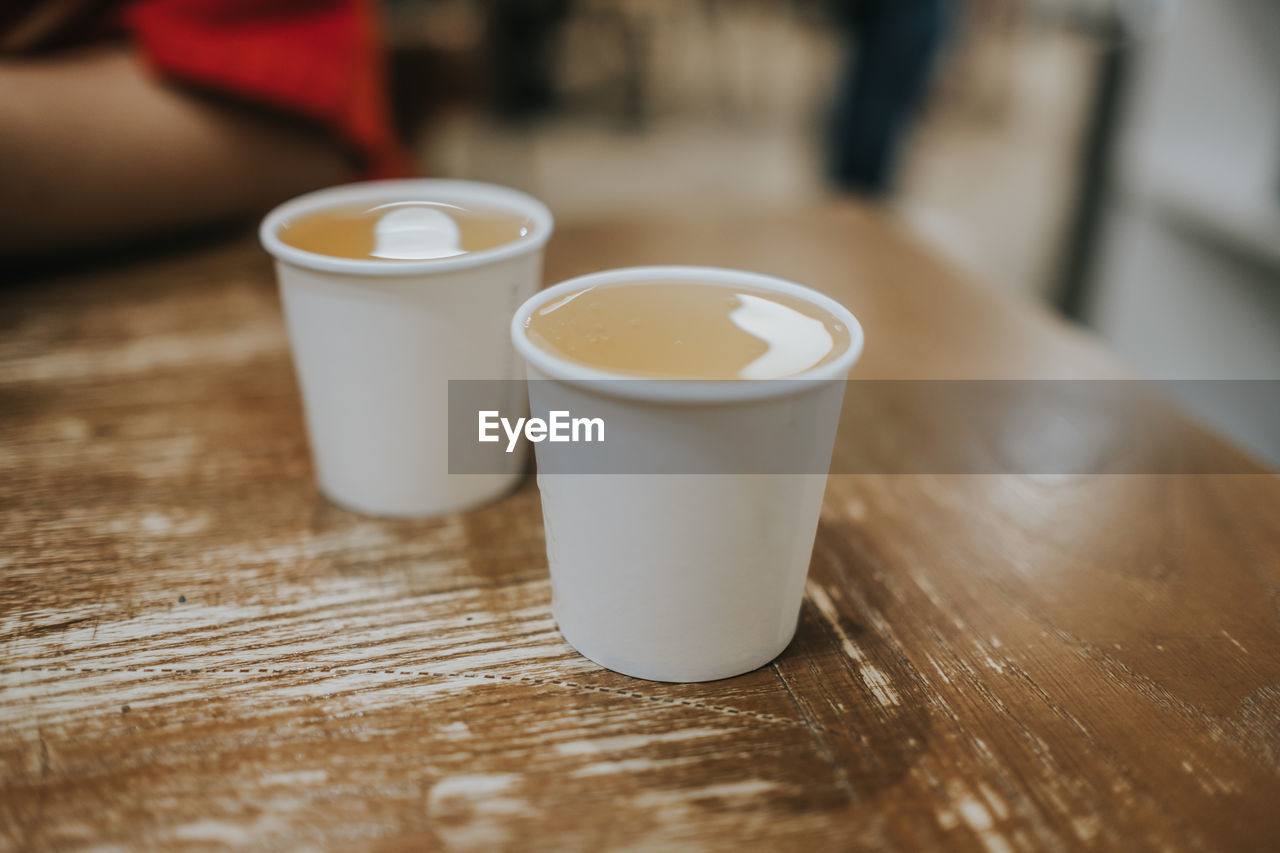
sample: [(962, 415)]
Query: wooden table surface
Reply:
[(199, 650)]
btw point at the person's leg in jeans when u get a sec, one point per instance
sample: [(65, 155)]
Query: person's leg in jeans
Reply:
[(891, 56)]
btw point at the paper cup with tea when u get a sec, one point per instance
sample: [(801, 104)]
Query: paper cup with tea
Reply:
[(680, 552), (391, 289)]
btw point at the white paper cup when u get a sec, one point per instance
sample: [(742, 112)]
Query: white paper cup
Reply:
[(376, 342), (684, 577)]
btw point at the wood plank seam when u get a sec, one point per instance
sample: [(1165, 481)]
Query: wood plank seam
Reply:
[(350, 670), (816, 732)]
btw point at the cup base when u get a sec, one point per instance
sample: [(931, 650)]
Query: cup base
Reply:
[(672, 672), (434, 510)]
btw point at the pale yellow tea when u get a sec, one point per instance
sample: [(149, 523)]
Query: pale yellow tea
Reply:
[(403, 230), (688, 330)]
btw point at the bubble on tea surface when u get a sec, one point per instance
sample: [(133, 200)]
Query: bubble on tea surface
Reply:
[(414, 233)]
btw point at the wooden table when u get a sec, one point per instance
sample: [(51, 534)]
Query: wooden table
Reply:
[(198, 649)]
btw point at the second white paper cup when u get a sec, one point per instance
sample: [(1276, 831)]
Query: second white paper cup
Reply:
[(684, 577), (376, 342)]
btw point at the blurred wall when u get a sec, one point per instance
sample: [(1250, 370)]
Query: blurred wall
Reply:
[(1188, 282)]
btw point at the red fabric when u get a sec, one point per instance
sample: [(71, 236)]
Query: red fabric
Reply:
[(321, 60)]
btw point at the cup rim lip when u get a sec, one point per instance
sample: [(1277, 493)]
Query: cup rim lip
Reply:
[(684, 390), (395, 189)]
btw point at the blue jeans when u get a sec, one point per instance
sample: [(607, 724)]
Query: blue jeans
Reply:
[(893, 44)]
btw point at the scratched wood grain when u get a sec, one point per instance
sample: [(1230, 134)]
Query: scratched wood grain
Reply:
[(197, 650)]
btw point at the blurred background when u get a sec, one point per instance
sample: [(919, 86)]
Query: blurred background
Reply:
[(1116, 160), (732, 105)]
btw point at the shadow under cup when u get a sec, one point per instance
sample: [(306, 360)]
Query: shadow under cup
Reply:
[(375, 343), (687, 576)]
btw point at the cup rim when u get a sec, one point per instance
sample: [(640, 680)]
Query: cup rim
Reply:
[(437, 189), (684, 390)]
